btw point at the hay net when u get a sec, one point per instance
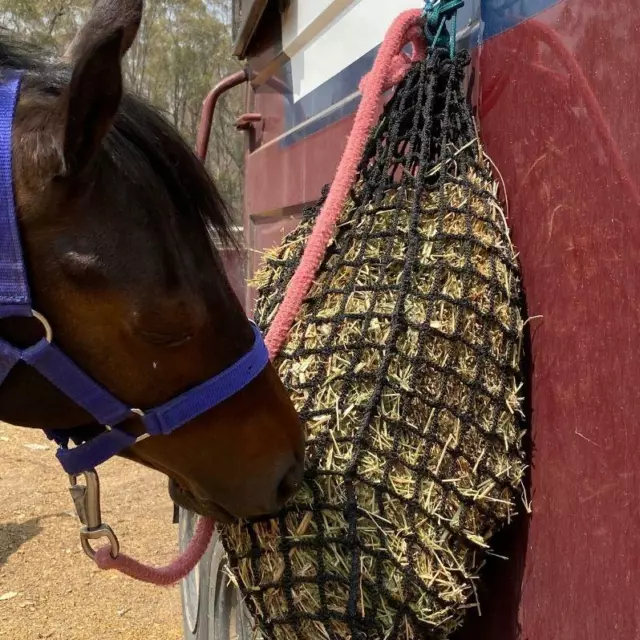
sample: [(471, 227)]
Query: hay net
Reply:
[(404, 366)]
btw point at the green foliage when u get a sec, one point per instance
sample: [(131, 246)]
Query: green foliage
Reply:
[(183, 48)]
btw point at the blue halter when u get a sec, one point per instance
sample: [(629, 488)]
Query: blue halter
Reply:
[(68, 377)]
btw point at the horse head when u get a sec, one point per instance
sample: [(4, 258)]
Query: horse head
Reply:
[(119, 225)]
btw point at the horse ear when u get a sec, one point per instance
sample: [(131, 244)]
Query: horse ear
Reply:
[(92, 101), (107, 16), (95, 90)]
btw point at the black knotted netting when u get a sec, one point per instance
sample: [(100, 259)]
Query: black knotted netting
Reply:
[(404, 366)]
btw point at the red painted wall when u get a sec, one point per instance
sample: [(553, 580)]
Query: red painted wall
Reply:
[(559, 111)]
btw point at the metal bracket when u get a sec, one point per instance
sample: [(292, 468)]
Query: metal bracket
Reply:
[(248, 121)]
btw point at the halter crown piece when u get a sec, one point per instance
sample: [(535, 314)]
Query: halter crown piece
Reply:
[(46, 358)]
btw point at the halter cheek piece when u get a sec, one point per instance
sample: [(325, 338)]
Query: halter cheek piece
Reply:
[(46, 358)]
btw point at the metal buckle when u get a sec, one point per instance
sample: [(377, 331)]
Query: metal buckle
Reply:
[(86, 499)]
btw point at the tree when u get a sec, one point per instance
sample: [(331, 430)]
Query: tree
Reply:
[(183, 48)]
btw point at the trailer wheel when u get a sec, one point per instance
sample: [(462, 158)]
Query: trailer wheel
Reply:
[(212, 607), (194, 588)]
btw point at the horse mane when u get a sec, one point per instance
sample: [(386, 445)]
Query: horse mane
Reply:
[(139, 131)]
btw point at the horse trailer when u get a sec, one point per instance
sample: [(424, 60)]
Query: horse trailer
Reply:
[(554, 91)]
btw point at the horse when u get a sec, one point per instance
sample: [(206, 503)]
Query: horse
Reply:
[(120, 227)]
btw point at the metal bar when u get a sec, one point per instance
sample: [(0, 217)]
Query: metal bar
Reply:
[(209, 106)]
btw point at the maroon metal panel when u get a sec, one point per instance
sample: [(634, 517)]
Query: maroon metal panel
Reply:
[(299, 171), (558, 104), (559, 115), (235, 266), (279, 181), (266, 232)]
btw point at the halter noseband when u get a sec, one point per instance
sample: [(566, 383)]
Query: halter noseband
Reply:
[(68, 377)]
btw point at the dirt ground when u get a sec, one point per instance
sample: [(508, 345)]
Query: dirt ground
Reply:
[(48, 587)]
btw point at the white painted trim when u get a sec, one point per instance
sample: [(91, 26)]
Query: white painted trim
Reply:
[(323, 37)]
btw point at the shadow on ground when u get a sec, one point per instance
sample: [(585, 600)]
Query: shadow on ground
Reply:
[(14, 534)]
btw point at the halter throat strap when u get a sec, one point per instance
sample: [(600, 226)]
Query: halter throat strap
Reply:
[(52, 363)]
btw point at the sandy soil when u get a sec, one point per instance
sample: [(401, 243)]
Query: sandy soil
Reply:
[(48, 587)]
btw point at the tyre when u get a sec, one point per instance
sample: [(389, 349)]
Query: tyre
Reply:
[(194, 588), (212, 607)]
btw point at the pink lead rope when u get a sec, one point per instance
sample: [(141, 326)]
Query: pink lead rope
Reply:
[(390, 67), (162, 576)]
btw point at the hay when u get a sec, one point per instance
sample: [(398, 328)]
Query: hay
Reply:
[(404, 366)]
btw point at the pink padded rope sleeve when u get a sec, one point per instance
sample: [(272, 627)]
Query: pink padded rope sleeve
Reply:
[(389, 69), (162, 576)]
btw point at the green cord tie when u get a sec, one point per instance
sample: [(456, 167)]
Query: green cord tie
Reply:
[(436, 15)]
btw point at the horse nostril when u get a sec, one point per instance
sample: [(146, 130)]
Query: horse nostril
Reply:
[(290, 483)]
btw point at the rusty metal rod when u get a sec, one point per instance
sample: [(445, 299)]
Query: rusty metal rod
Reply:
[(209, 106)]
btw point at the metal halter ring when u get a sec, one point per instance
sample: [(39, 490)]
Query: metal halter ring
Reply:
[(48, 331), (140, 413)]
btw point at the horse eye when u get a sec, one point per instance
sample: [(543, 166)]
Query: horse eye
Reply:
[(164, 339), (52, 90)]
